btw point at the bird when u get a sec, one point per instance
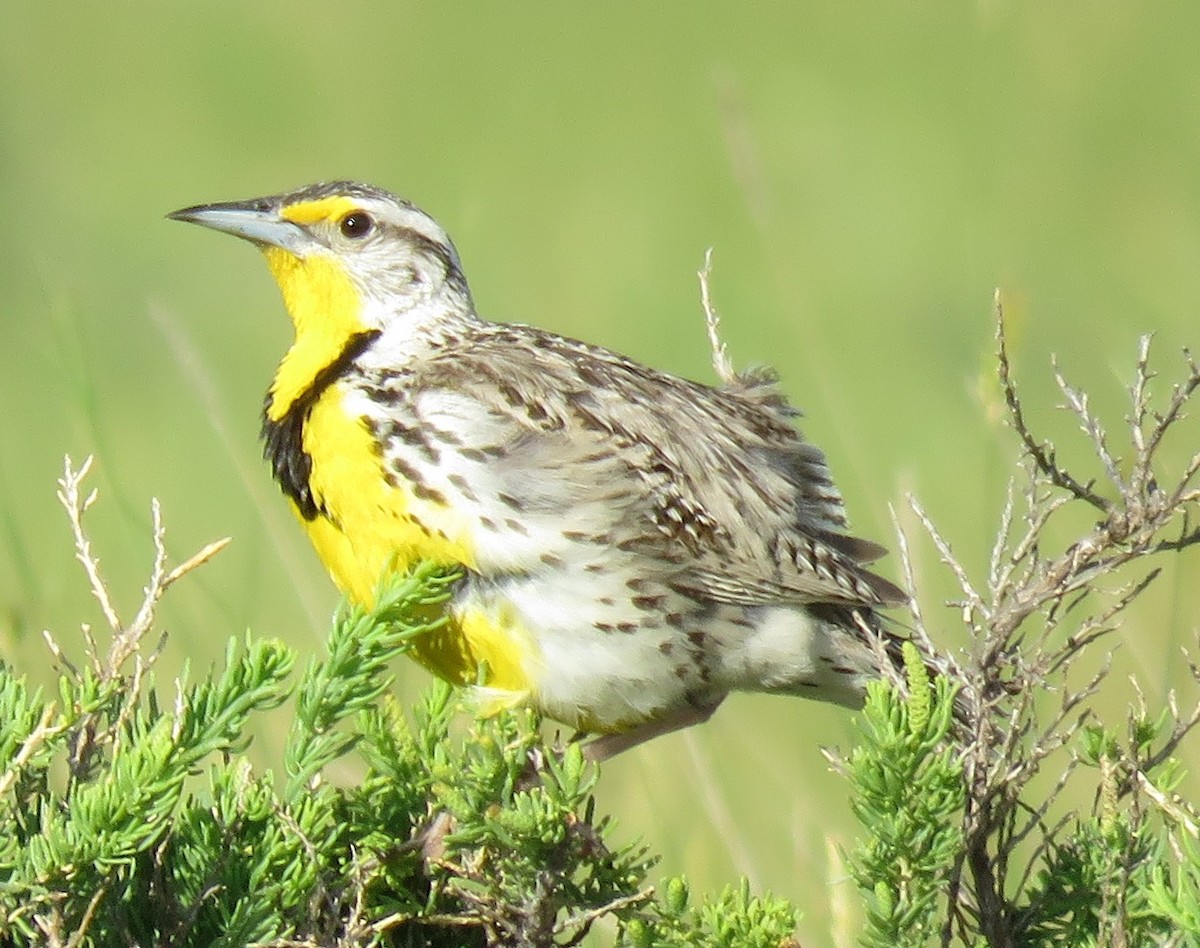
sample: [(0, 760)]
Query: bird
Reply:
[(634, 545)]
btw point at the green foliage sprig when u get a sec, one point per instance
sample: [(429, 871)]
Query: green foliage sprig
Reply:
[(908, 793), (129, 818)]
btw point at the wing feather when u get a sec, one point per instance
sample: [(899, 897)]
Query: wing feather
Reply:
[(715, 483)]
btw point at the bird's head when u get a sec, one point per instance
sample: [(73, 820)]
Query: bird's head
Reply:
[(349, 259), (341, 247)]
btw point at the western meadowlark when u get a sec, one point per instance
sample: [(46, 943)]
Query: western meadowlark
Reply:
[(635, 545)]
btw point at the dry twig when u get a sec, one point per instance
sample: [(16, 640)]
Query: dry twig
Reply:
[(1058, 591), (721, 362), (126, 639)]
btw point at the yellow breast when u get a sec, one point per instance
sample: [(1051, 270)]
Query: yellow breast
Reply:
[(375, 522)]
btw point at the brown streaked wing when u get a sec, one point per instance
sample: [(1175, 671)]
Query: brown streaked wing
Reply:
[(723, 475)]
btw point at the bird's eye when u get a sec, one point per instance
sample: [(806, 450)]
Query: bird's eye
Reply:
[(356, 224)]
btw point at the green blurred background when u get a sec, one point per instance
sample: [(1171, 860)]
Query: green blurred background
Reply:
[(866, 172)]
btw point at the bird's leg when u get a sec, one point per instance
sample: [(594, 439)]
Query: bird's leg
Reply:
[(431, 838), (602, 748), (606, 746)]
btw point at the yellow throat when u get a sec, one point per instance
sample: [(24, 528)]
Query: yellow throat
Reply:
[(323, 303)]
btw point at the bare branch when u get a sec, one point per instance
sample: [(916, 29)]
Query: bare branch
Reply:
[(920, 631), (974, 602), (195, 561), (1042, 454), (79, 936), (1074, 595), (1079, 403), (88, 735), (37, 737), (1180, 395), (59, 655), (1139, 396), (720, 354), (126, 638), (1176, 809), (1003, 538), (75, 506)]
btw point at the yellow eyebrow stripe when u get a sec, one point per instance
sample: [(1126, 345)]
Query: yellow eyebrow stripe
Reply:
[(324, 209)]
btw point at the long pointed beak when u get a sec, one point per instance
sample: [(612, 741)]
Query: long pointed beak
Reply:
[(249, 220)]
